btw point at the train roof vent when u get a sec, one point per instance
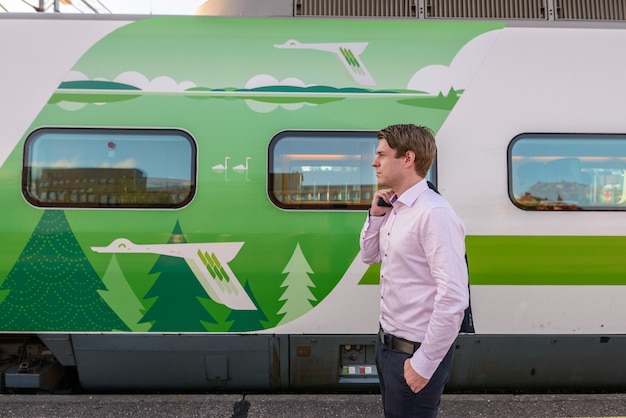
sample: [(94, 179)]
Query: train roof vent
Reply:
[(486, 9), (356, 8), (590, 10)]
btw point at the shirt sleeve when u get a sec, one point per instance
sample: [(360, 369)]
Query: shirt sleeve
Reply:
[(444, 244), (369, 241)]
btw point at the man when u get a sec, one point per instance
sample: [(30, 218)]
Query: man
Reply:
[(420, 241)]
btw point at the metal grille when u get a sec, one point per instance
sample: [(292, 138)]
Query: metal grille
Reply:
[(467, 9), (590, 10), (486, 9), (356, 8)]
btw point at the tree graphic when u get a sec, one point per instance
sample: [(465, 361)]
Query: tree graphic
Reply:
[(297, 296), (177, 293), (247, 320), (121, 297), (53, 287)]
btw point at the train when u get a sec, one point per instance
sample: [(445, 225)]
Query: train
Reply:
[(182, 197)]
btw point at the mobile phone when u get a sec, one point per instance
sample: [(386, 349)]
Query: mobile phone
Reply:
[(381, 202)]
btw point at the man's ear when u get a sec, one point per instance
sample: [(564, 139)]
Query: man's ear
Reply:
[(409, 157)]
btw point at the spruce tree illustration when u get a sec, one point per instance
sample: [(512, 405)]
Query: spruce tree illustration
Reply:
[(53, 286), (177, 293), (247, 320), (297, 296), (121, 297)]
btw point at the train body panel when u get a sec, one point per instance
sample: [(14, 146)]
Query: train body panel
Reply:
[(533, 80), (523, 262), (229, 161)]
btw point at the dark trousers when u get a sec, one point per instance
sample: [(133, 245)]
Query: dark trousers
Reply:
[(399, 401)]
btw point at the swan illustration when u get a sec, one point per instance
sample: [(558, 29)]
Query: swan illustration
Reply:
[(221, 167), (348, 54), (241, 167), (208, 261)]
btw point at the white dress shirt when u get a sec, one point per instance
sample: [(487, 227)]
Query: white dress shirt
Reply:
[(423, 276)]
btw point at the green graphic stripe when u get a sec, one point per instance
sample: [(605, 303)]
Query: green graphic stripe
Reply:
[(210, 263), (349, 56), (537, 260), (213, 265)]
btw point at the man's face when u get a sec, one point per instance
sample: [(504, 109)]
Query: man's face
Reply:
[(389, 169)]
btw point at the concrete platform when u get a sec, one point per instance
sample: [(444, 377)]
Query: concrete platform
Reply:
[(294, 406)]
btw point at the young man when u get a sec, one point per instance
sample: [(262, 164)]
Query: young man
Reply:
[(423, 276)]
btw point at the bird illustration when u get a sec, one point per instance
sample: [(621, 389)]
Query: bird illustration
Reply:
[(221, 167), (208, 261), (241, 167), (347, 53)]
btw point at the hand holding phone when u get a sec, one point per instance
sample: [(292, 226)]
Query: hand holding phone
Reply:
[(382, 202)]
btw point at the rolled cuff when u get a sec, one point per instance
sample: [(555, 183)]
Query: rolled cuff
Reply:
[(422, 365)]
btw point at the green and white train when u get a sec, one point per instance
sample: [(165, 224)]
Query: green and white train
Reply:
[(182, 198)]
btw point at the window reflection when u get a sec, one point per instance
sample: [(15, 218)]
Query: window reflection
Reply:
[(323, 170), (109, 168), (568, 172)]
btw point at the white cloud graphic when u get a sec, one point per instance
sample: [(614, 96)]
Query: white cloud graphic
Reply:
[(136, 79), (262, 80), (158, 84), (71, 106), (439, 78), (133, 78), (75, 76)]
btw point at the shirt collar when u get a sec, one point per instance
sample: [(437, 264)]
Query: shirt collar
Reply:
[(412, 193)]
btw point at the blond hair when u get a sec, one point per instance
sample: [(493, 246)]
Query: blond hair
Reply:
[(409, 137)]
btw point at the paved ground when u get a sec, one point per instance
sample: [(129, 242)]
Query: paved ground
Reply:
[(302, 406)]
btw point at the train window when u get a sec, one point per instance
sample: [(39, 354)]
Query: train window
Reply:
[(109, 168), (568, 172), (323, 169)]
